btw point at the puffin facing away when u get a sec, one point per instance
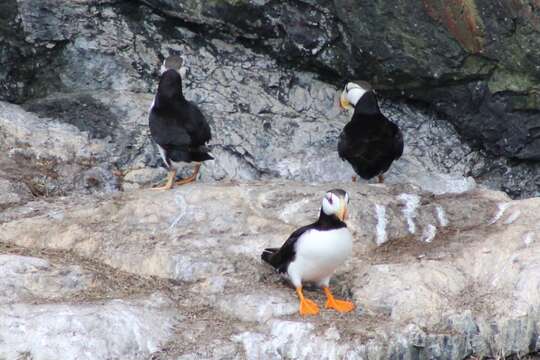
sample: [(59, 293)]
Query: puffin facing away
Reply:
[(313, 252), (177, 125), (369, 142)]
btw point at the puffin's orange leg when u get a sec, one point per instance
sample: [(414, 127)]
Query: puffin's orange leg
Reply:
[(338, 305), (354, 178), (170, 181), (192, 178), (380, 179), (307, 307)]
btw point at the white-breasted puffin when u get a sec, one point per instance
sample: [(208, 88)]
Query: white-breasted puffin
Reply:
[(313, 252), (369, 142), (177, 125)]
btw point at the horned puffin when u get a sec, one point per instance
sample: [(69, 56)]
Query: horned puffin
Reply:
[(312, 253), (177, 125), (369, 142)]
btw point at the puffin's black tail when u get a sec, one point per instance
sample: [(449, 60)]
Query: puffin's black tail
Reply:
[(200, 156), (267, 254), (182, 153)]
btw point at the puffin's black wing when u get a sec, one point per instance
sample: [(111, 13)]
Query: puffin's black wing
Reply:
[(183, 125), (398, 142), (165, 130), (282, 257), (197, 126), (181, 130), (370, 143), (351, 146)]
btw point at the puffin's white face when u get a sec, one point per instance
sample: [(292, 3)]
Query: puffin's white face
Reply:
[(351, 94), (174, 62), (332, 204)]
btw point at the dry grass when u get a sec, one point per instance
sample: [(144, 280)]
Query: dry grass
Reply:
[(108, 282)]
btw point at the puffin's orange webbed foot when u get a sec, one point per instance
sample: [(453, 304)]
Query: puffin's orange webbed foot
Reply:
[(307, 307), (338, 305), (185, 181), (191, 178), (170, 181)]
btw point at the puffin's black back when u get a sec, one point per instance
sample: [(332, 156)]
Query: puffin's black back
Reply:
[(176, 124), (370, 142)]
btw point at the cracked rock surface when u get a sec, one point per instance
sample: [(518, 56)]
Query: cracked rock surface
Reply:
[(94, 65), (422, 274), (95, 265)]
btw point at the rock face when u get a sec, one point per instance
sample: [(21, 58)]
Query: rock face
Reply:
[(473, 60), (422, 274), (268, 121), (476, 61), (91, 262), (88, 63)]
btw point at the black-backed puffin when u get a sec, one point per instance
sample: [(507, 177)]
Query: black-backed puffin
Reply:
[(177, 125), (313, 252), (369, 142)]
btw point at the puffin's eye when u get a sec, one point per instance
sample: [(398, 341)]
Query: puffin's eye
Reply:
[(329, 197)]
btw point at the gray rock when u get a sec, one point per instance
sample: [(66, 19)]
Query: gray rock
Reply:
[(476, 62), (27, 278), (267, 109), (115, 329), (441, 298), (12, 193), (134, 179), (52, 158), (426, 242), (262, 129)]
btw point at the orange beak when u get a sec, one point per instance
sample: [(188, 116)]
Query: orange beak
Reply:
[(343, 102), (343, 213)]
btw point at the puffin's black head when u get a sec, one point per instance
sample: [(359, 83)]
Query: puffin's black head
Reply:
[(335, 203), (170, 86), (359, 95)]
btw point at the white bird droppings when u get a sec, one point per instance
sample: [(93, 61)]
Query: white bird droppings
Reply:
[(501, 209), (182, 206), (513, 217), (411, 202), (528, 238), (380, 210), (441, 216), (429, 233)]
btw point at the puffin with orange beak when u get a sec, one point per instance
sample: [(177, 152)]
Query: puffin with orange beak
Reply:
[(313, 252), (369, 142)]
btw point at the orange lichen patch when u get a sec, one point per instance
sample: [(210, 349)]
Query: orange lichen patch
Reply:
[(462, 20)]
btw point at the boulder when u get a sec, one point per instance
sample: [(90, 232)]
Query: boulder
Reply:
[(422, 274)]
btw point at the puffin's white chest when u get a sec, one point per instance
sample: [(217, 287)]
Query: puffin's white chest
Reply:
[(320, 253)]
